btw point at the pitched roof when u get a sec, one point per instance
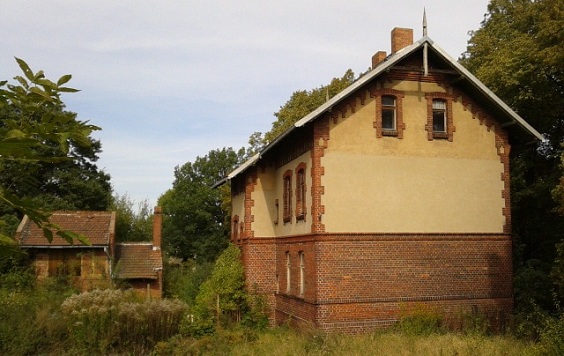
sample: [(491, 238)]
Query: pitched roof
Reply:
[(138, 260), (509, 118), (97, 226)]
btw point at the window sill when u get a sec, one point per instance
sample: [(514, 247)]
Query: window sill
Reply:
[(440, 135), (393, 133)]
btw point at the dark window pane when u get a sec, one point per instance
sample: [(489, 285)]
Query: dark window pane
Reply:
[(388, 119)]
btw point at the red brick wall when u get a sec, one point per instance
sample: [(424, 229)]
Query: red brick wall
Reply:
[(358, 282), (259, 258)]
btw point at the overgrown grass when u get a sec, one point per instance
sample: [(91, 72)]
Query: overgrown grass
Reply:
[(116, 321), (286, 341)]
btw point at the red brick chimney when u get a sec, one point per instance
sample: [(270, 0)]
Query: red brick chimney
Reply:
[(378, 58), (157, 227), (401, 38)]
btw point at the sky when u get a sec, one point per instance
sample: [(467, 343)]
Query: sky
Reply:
[(168, 81)]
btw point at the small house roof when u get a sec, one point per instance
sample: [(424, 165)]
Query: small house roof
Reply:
[(97, 226), (138, 261), (508, 118)]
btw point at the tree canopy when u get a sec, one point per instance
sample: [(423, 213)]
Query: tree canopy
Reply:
[(518, 54), (46, 156), (196, 222), (301, 103)]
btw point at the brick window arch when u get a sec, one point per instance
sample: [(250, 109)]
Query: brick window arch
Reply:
[(301, 188)]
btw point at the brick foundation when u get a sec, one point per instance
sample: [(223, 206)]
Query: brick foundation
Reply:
[(358, 282)]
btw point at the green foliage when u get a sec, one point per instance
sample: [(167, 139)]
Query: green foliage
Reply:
[(182, 280), (196, 217), (420, 320), (518, 54), (132, 225), (223, 293), (288, 341), (552, 336), (30, 322), (301, 103), (115, 321), (46, 156)]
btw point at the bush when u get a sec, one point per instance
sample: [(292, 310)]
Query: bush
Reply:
[(552, 336), (30, 322), (420, 320), (114, 320)]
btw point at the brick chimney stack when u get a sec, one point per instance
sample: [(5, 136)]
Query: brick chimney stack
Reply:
[(401, 38), (378, 58), (157, 227)]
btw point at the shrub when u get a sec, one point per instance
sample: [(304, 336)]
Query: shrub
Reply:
[(29, 321), (114, 320), (420, 320), (552, 336)]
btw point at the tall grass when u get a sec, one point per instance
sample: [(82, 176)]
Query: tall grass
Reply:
[(116, 321), (286, 341)]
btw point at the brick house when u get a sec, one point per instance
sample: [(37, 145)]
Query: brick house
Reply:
[(93, 266), (392, 195)]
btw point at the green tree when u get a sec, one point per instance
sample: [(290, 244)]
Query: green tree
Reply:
[(223, 293), (301, 103), (132, 225), (35, 132), (196, 216), (518, 54)]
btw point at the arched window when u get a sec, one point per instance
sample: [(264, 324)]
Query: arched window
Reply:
[(302, 273), (287, 186), (389, 113), (439, 116), (288, 272), (301, 191)]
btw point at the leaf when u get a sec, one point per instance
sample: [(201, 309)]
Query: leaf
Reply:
[(43, 94), (64, 79), (8, 246), (68, 90), (25, 68)]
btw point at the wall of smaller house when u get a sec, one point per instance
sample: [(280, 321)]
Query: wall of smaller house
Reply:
[(88, 269), (146, 287)]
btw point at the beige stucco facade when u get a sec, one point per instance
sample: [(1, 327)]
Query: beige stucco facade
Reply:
[(388, 184), (412, 184)]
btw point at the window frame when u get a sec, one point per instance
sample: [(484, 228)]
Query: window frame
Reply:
[(287, 197), (397, 95), (302, 272), (301, 189), (288, 272), (389, 108), (449, 128)]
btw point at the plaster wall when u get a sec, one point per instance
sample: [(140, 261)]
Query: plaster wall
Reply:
[(412, 184), (269, 187)]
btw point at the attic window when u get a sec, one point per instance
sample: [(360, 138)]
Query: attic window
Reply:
[(388, 113), (439, 116), (389, 120)]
